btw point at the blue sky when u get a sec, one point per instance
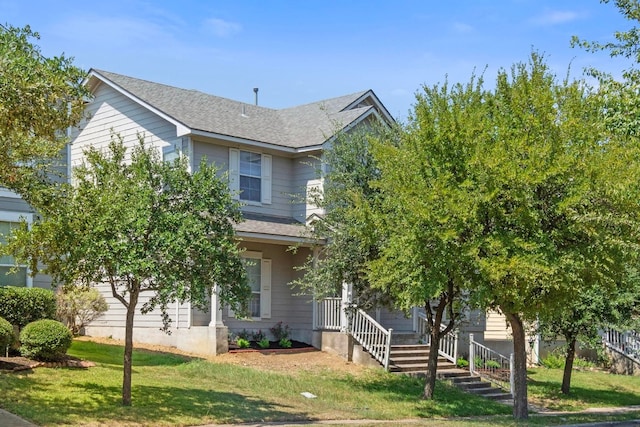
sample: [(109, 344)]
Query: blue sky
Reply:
[(303, 51)]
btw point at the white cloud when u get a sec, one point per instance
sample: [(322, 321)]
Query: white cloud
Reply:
[(554, 17), (462, 28), (222, 28)]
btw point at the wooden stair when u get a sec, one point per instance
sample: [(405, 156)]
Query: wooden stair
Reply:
[(474, 384), (411, 359)]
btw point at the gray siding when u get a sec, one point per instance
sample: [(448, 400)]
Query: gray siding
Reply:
[(293, 310), (113, 113), (115, 316)]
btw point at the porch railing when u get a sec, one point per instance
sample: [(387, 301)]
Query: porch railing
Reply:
[(491, 365), (371, 335), (326, 314), (448, 347), (626, 343)]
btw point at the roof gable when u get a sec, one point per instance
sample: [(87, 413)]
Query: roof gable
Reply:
[(300, 127)]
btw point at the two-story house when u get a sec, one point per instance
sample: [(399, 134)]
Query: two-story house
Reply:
[(271, 159)]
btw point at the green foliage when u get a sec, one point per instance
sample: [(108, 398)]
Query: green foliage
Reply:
[(46, 340), (242, 342), (145, 227), (6, 335), (264, 343), (554, 360), (462, 362), (79, 305), (20, 306), (349, 238), (492, 364), (40, 97), (244, 334), (285, 342), (280, 331)]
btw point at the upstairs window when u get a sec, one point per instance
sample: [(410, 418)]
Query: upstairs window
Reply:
[(250, 176)]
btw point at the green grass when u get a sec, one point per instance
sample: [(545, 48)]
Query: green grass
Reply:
[(588, 389), (172, 390)]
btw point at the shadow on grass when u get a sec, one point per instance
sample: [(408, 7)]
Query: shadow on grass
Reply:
[(448, 401), (151, 406), (607, 397)]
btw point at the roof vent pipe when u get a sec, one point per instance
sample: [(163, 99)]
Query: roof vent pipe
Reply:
[(255, 90)]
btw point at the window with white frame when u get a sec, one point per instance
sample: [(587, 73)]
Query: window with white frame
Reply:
[(250, 176), (259, 277), (12, 274)]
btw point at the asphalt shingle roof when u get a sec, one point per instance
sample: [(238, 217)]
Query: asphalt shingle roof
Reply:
[(297, 127)]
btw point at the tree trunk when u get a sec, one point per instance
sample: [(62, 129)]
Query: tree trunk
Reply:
[(432, 364), (520, 405), (568, 365), (434, 345), (128, 349)]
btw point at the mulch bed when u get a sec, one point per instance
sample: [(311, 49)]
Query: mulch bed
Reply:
[(19, 363), (274, 347)]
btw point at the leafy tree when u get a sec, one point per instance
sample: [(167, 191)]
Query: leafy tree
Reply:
[(347, 243), (586, 314), (428, 256), (518, 195), (556, 200), (41, 98), (144, 227)]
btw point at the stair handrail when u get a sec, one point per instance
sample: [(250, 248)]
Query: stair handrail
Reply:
[(373, 337), (448, 347), (626, 343), (491, 365)]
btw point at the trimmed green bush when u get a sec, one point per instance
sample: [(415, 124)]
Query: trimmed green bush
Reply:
[(45, 339), (6, 335), (20, 306)]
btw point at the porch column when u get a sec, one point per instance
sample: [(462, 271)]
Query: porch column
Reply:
[(347, 299), (414, 316), (314, 302), (216, 310)]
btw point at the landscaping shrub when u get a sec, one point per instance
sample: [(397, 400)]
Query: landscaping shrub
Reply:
[(6, 335), (462, 362), (243, 343), (20, 306), (78, 305), (258, 335), (45, 339), (264, 343), (554, 360), (285, 343), (280, 331)]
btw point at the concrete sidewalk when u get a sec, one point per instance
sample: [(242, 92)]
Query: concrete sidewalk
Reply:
[(7, 419)]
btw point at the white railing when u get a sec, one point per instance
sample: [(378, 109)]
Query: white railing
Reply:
[(326, 314), (626, 343), (448, 347), (491, 365), (371, 335)]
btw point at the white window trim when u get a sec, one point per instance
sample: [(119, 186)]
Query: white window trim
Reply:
[(17, 217), (265, 286), (265, 179)]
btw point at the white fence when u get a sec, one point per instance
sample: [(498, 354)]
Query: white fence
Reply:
[(448, 347), (371, 335), (327, 315), (627, 343), (491, 365)]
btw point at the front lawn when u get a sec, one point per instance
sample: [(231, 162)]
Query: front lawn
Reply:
[(174, 390), (589, 389)]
